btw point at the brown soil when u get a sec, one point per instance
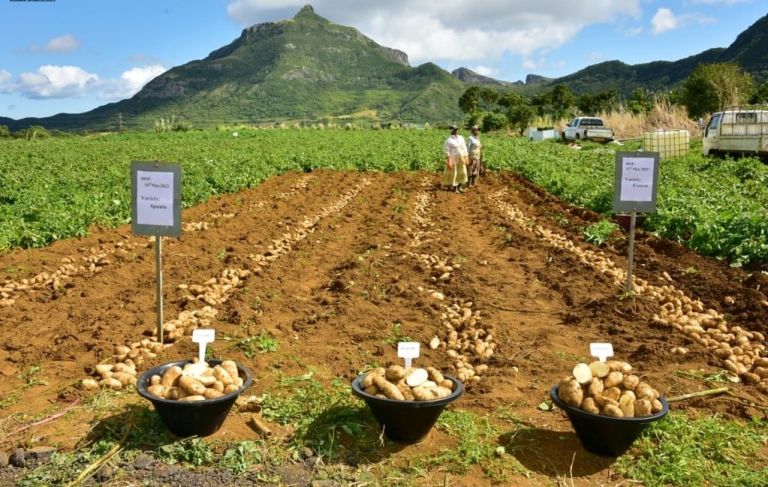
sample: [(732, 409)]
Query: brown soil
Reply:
[(332, 300)]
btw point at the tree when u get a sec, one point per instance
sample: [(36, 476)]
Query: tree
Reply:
[(521, 116), (558, 102), (4, 132), (494, 121), (761, 94), (601, 102), (640, 101), (711, 87), (469, 99)]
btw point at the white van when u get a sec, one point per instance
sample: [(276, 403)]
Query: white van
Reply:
[(737, 130)]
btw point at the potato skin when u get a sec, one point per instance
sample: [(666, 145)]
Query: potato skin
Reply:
[(614, 379), (368, 379), (170, 376), (191, 386), (643, 408), (212, 394), (388, 389), (569, 391), (599, 369), (222, 376), (630, 382), (589, 405), (156, 390), (596, 387), (613, 411), (395, 373)]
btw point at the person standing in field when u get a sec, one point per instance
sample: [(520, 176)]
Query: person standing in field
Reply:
[(475, 156), (456, 158)]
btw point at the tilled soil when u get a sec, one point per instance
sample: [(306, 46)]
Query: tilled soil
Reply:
[(332, 299)]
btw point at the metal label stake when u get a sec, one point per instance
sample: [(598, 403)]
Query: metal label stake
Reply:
[(156, 211)]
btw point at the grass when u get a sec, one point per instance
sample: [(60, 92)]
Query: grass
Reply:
[(261, 343), (396, 335), (704, 451), (600, 232)]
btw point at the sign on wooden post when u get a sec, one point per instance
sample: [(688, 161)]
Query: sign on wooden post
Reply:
[(156, 211), (635, 188)]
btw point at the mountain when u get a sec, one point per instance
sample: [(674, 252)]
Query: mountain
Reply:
[(749, 50), (466, 75), (304, 68)]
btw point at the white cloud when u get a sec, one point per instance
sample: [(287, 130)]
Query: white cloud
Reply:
[(664, 21), (485, 70), (634, 31), (56, 82), (75, 82), (452, 30), (57, 45), (62, 44)]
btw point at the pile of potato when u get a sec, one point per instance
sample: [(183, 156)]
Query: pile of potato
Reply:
[(189, 384), (467, 340), (215, 290), (743, 353), (413, 384), (609, 388)]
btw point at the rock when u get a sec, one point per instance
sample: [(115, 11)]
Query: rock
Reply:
[(40, 453), (3, 459), (105, 473), (18, 459), (143, 462)]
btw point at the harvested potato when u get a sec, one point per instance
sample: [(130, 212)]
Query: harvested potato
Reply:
[(614, 411), (614, 379), (416, 377), (569, 391), (191, 386), (368, 379), (612, 393), (582, 373), (223, 376), (212, 394), (387, 388), (170, 376), (156, 390), (599, 369), (395, 373), (643, 408), (619, 366), (596, 387), (193, 398), (630, 382), (589, 405)]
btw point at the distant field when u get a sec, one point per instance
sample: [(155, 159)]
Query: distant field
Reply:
[(57, 187)]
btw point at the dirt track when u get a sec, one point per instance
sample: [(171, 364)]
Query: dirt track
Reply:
[(332, 298)]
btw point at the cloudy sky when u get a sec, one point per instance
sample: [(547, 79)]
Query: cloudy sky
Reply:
[(74, 55)]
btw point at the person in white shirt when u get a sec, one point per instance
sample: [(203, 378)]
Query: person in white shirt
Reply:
[(456, 158), (475, 156)]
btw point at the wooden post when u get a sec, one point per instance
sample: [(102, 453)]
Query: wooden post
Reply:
[(631, 256), (159, 287)]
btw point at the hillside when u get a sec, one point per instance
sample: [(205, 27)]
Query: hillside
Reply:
[(304, 68), (749, 50)]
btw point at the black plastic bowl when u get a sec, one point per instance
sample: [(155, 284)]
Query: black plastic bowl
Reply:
[(194, 418), (406, 421), (606, 435)]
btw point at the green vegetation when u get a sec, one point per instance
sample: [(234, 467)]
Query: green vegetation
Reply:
[(705, 451), (715, 206), (600, 232), (261, 343), (712, 87)]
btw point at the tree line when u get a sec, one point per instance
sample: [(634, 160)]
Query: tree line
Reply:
[(709, 88)]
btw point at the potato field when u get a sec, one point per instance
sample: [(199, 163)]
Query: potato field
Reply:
[(314, 253)]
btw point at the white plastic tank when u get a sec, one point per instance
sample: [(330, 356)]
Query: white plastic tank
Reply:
[(668, 143)]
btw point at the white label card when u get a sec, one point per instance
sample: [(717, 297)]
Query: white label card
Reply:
[(408, 349), (637, 179), (154, 198), (206, 335), (601, 350)]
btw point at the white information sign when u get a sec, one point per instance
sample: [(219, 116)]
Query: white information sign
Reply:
[(154, 198), (408, 351), (601, 350), (637, 179)]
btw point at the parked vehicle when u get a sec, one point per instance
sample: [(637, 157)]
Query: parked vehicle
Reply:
[(737, 130), (591, 128)]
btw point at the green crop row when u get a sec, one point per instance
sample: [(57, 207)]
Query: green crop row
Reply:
[(57, 187)]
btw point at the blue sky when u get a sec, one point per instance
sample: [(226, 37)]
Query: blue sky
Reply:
[(74, 55)]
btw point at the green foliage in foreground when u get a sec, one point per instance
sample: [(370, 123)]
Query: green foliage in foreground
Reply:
[(56, 188), (704, 451)]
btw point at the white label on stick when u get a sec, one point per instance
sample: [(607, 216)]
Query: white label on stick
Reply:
[(637, 179), (203, 336), (408, 351), (601, 350), (154, 198)]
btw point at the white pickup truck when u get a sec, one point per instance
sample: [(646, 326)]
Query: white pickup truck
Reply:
[(742, 131), (591, 128)]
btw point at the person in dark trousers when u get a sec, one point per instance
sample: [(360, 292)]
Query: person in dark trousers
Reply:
[(475, 149)]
